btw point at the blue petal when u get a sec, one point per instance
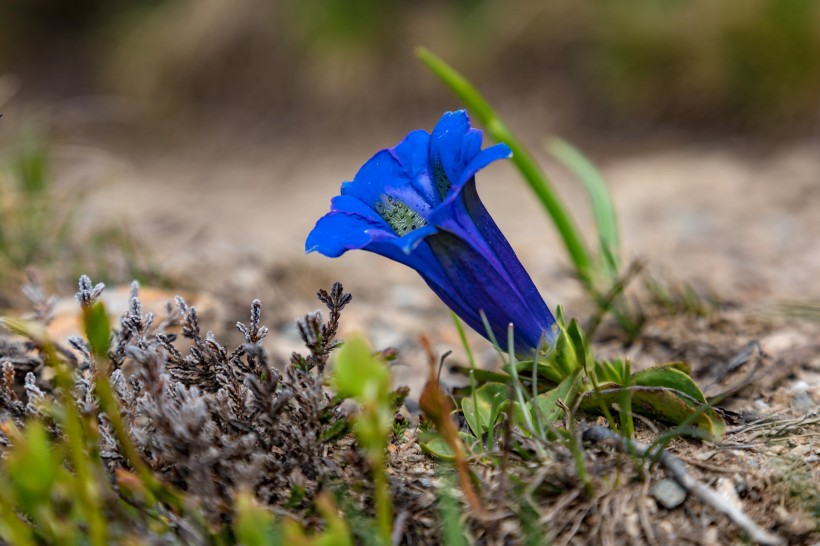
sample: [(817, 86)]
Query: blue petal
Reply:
[(454, 144), (429, 266), (487, 156), (401, 172), (369, 183), (475, 279), (351, 205), (353, 225), (468, 221), (409, 242), (337, 232)]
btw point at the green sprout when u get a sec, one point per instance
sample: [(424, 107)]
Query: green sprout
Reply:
[(364, 377)]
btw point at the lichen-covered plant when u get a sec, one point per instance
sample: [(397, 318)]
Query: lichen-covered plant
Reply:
[(209, 421)]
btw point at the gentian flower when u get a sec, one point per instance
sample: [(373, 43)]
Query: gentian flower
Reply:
[(417, 204)]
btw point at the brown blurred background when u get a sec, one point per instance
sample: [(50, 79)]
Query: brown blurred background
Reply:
[(306, 66)]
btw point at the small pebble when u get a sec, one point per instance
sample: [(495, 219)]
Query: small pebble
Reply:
[(668, 493), (727, 489)]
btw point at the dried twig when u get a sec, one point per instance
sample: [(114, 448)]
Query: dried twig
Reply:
[(677, 470), (646, 524)]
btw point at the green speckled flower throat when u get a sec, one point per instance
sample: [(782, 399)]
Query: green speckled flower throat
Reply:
[(399, 216)]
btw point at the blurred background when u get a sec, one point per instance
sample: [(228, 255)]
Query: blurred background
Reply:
[(195, 142), (290, 65)]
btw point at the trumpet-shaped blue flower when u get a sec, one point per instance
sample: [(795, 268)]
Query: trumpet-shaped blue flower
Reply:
[(417, 204)]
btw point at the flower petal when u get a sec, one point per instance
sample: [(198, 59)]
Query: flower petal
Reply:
[(409, 242), (468, 221), (401, 172), (487, 156), (475, 279), (428, 265), (337, 232), (351, 205), (453, 145)]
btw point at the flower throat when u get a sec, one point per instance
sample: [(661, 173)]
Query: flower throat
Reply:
[(399, 216)]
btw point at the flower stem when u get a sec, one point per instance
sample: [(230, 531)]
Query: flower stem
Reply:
[(384, 510)]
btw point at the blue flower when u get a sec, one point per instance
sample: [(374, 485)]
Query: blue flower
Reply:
[(417, 204)]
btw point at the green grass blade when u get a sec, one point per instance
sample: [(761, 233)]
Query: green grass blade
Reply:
[(599, 197), (529, 169), (450, 516), (463, 336)]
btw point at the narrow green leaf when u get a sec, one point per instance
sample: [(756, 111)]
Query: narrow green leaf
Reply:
[(610, 371), (485, 376), (625, 404), (583, 351), (600, 199), (450, 510), (97, 329), (33, 450), (564, 355)]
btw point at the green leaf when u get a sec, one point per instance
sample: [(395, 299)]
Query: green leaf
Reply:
[(436, 446), (671, 377), (97, 329), (607, 371), (33, 467), (486, 376), (253, 524), (564, 356), (559, 316), (546, 404), (451, 518), (335, 430), (664, 393), (479, 413), (602, 208), (358, 372), (583, 351), (548, 371)]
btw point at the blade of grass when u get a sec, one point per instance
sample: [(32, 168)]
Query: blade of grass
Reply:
[(627, 423), (13, 528), (512, 364), (534, 379), (599, 198), (450, 518), (463, 336), (535, 178)]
